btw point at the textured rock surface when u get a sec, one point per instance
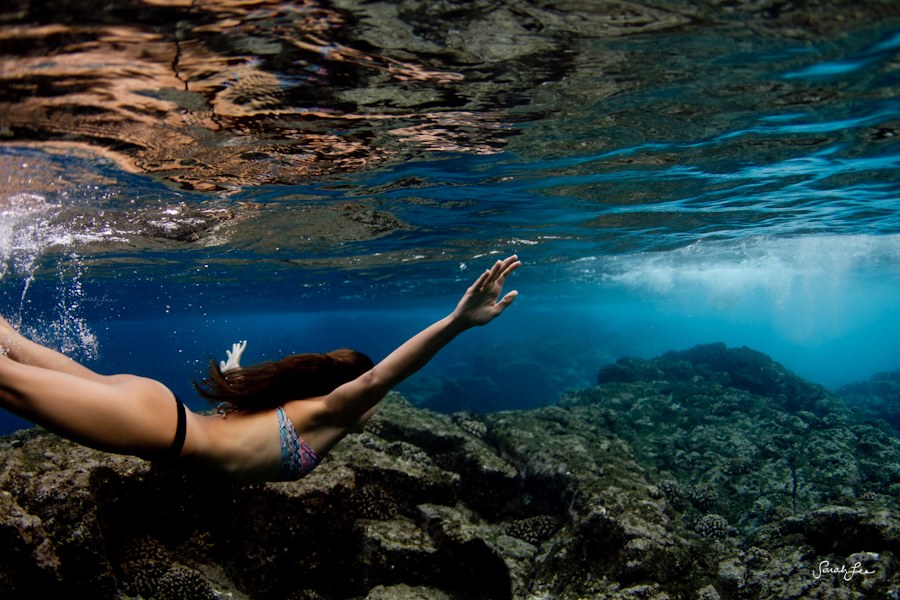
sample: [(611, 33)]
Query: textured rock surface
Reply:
[(879, 397), (710, 473)]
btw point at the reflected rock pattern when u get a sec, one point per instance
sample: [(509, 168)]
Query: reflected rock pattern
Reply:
[(213, 95)]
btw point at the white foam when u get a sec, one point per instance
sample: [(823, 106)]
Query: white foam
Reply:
[(66, 332), (22, 233), (807, 289), (25, 235), (723, 270)]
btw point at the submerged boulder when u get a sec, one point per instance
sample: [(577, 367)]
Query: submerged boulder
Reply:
[(741, 368), (650, 486)]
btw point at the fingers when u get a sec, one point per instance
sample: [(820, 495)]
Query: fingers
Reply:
[(490, 276), (509, 265), (479, 283), (498, 272), (507, 299)]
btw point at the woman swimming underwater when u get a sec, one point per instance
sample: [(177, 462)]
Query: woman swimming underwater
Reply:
[(283, 416)]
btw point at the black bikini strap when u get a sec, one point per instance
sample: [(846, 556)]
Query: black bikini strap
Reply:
[(180, 431)]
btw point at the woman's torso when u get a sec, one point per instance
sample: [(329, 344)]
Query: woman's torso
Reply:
[(247, 445)]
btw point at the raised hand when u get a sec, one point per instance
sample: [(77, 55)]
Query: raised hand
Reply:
[(234, 357), (482, 302)]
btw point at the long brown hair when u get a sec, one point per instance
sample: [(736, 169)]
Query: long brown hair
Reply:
[(271, 384)]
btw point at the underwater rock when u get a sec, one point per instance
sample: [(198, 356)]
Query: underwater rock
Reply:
[(732, 430), (833, 529), (740, 368), (30, 554), (497, 379), (879, 397), (627, 490)]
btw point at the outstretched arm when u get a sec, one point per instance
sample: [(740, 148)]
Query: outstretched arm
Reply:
[(480, 305)]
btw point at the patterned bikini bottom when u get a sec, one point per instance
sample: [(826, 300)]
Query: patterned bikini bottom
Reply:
[(297, 458)]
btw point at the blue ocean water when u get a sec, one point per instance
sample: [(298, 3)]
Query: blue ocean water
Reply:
[(740, 188)]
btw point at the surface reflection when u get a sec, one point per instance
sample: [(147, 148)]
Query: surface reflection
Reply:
[(228, 94), (225, 94)]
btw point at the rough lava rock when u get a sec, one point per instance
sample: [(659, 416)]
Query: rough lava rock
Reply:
[(710, 473)]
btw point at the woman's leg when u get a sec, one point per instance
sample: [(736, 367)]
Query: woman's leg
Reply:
[(129, 416), (21, 349)]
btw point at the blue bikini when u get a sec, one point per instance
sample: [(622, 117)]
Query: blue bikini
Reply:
[(297, 458)]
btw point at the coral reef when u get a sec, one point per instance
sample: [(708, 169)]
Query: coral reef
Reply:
[(183, 582), (712, 526), (702, 496), (470, 423), (712, 473), (534, 530)]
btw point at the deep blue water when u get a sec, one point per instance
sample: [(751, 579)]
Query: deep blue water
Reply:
[(745, 192)]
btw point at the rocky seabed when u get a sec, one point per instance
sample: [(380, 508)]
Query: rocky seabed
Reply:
[(712, 473)]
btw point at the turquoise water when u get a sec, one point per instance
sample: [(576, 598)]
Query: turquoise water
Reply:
[(699, 183)]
